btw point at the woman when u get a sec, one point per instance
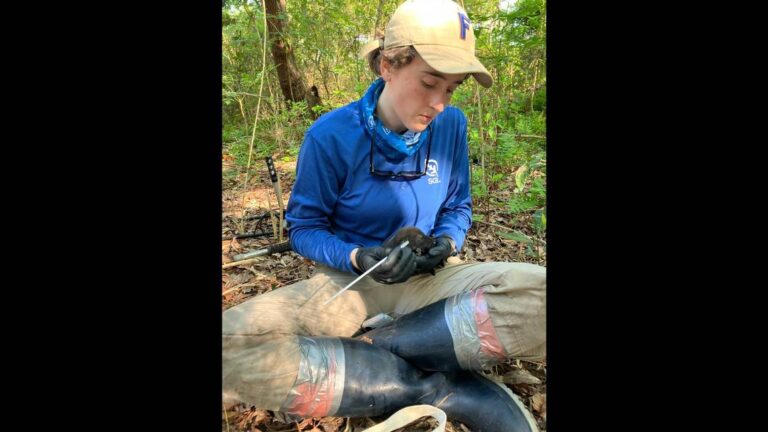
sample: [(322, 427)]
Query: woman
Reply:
[(394, 159)]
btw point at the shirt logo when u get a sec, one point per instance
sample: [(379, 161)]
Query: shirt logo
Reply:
[(371, 122), (432, 172)]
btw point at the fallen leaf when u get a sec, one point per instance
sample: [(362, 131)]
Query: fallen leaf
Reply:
[(331, 424), (520, 376), (306, 423), (235, 246), (539, 402)]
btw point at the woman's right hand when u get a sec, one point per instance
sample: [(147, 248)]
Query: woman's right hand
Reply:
[(399, 266)]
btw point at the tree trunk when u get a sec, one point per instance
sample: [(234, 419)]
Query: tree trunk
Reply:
[(291, 81)]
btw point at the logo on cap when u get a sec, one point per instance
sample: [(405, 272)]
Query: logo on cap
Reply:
[(464, 23)]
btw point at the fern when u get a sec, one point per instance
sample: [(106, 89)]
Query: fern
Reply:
[(519, 204)]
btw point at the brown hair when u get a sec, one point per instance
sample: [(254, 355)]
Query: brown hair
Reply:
[(396, 56)]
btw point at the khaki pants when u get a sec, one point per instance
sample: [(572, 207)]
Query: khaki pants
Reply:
[(259, 346)]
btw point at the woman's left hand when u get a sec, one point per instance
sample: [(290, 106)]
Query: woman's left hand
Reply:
[(437, 254)]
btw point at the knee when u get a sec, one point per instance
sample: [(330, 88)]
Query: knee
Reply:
[(258, 316), (518, 309), (525, 276), (523, 283)]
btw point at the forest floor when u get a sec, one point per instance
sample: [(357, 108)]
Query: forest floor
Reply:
[(485, 242)]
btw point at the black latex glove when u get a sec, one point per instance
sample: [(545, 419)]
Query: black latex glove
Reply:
[(436, 255), (399, 266)]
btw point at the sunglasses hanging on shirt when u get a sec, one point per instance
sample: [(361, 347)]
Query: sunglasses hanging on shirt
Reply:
[(408, 175)]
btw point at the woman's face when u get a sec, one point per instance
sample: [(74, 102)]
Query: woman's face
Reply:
[(414, 94)]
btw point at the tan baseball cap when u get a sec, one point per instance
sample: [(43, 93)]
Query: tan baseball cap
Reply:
[(441, 33)]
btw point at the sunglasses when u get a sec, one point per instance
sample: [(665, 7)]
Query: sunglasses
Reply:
[(408, 175)]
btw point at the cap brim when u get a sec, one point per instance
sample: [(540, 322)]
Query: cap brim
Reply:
[(370, 46), (452, 60)]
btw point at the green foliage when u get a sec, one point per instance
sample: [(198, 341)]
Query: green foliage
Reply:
[(530, 186), (540, 99), (522, 203), (479, 187), (280, 134), (516, 236)]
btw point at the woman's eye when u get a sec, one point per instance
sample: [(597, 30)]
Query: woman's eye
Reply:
[(427, 85)]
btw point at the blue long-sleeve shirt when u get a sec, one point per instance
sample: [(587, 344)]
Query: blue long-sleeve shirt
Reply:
[(337, 205)]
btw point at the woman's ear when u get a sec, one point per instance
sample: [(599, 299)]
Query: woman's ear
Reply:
[(385, 67)]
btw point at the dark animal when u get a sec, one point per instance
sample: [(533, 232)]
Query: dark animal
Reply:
[(417, 240)]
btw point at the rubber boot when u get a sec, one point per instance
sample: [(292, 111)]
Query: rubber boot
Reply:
[(449, 335), (346, 377)]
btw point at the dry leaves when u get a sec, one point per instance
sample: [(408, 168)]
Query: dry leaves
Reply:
[(247, 419)]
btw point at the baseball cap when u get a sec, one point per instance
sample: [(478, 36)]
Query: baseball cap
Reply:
[(441, 33)]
